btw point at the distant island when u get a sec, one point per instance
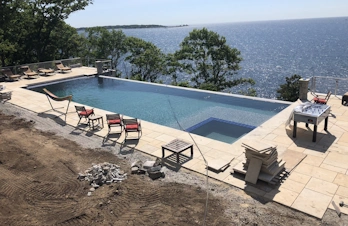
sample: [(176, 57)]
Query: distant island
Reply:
[(134, 26)]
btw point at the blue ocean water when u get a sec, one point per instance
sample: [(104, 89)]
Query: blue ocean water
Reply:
[(273, 50)]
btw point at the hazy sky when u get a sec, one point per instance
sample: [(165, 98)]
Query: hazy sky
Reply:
[(176, 12)]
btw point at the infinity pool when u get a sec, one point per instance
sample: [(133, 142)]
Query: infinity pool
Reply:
[(218, 116)]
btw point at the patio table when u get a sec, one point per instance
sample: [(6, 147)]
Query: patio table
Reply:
[(177, 146), (312, 114)]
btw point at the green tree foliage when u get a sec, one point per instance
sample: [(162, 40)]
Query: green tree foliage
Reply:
[(34, 30), (290, 91), (48, 16), (101, 43), (250, 92), (11, 19), (172, 67), (67, 44), (146, 59), (206, 56)]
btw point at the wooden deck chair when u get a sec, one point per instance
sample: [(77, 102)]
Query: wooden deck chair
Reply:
[(61, 67), (114, 120), (132, 125), (319, 100), (44, 71), (82, 112), (9, 75), (28, 72), (50, 95)]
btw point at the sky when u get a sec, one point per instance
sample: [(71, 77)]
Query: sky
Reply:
[(192, 12)]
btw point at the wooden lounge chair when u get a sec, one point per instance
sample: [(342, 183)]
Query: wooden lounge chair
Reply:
[(319, 100), (82, 112), (61, 67), (114, 120), (50, 95), (28, 72), (9, 75), (132, 125), (44, 71)]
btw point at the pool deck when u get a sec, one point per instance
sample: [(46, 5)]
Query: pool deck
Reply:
[(322, 177)]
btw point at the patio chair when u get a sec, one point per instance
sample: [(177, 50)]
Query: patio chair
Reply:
[(50, 95), (28, 72), (46, 72), (132, 125), (114, 120), (61, 67), (9, 75), (319, 100), (82, 112)]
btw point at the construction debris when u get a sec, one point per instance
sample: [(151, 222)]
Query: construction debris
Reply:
[(261, 163), (219, 165), (152, 168), (104, 173)]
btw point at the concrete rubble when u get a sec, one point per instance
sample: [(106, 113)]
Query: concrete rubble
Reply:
[(104, 173), (152, 168)]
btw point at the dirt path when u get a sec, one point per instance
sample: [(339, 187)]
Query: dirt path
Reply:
[(40, 161)]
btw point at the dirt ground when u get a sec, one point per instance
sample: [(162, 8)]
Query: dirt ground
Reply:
[(40, 160)]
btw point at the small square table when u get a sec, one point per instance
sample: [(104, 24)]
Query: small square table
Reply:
[(98, 119), (177, 146)]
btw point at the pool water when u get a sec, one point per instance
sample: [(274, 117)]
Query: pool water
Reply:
[(221, 130), (175, 107)]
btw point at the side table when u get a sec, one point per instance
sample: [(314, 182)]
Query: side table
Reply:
[(177, 146), (96, 121)]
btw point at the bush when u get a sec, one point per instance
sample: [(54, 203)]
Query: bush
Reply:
[(290, 91)]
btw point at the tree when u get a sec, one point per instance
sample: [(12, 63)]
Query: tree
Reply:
[(250, 92), (117, 47), (206, 56), (11, 20), (146, 59), (100, 43), (67, 43), (172, 67), (34, 30), (90, 44), (290, 91), (47, 15)]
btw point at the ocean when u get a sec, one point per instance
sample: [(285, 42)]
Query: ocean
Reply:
[(273, 50)]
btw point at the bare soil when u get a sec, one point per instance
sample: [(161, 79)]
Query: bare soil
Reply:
[(41, 158)]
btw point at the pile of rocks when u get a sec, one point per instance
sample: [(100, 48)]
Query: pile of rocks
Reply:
[(152, 168), (104, 173)]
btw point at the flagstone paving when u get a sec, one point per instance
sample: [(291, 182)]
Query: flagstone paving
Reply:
[(322, 177)]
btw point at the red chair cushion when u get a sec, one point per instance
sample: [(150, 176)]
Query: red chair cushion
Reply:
[(132, 127), (86, 113), (114, 121), (321, 101)]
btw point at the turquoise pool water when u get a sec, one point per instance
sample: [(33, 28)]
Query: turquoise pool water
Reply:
[(174, 107)]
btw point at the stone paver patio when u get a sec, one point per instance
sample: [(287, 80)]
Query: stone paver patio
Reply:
[(322, 177)]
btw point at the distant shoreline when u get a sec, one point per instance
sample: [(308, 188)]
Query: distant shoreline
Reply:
[(134, 26)]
